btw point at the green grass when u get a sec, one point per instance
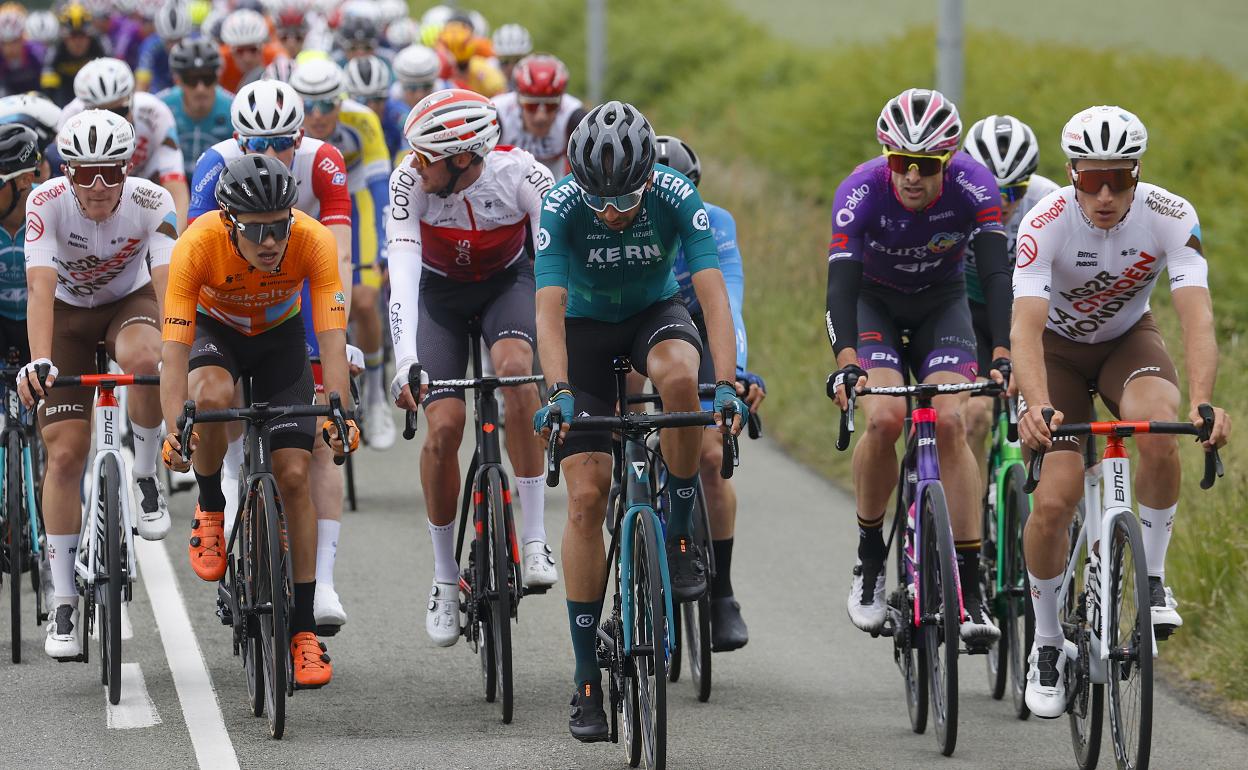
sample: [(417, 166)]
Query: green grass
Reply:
[(779, 125)]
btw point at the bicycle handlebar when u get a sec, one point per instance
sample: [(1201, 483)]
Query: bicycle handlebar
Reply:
[(263, 413), (753, 424), (487, 383), (921, 390)]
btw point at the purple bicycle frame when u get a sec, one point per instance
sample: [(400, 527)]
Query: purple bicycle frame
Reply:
[(925, 467)]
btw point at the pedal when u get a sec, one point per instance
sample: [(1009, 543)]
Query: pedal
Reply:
[(223, 612), (536, 590), (1163, 632), (327, 630), (976, 649)]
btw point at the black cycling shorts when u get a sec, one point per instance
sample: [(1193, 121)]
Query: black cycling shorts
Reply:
[(593, 344), (937, 322), (983, 336), (13, 335), (277, 361), (505, 302), (706, 367)]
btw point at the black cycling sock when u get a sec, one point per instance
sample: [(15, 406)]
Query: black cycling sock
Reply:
[(583, 622), (211, 498), (303, 618), (871, 539), (680, 493), (721, 586), (968, 566)]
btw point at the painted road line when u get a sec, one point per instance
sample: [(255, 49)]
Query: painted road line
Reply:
[(136, 708), (213, 748)]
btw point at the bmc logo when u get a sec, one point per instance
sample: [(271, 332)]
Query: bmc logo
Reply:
[(59, 408)]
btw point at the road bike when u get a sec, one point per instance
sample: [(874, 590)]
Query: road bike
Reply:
[(21, 521), (1116, 642), (490, 585), (635, 643), (255, 597)]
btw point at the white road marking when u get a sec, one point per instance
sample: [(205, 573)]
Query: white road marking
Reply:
[(136, 708), (213, 748)]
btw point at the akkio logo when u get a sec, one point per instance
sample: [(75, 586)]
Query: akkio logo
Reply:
[(639, 468), (685, 494), (585, 621)]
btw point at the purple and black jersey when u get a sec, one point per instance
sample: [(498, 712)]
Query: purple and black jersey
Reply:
[(909, 251)]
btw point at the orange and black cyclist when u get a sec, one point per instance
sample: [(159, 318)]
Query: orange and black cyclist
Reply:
[(233, 307)]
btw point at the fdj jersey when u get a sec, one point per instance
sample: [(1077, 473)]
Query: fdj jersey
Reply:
[(612, 275), (1038, 188), (360, 139)]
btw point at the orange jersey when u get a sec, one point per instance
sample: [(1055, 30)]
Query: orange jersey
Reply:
[(208, 276)]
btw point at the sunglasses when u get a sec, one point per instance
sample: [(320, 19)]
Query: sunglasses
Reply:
[(421, 161), (295, 36), (198, 79), (122, 110), (322, 106), (1119, 179), (263, 143), (428, 86), (927, 165), (1013, 192), (246, 50), (621, 203), (259, 232), (111, 175), (533, 106)]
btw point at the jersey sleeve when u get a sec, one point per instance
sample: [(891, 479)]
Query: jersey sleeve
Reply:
[(204, 183), (697, 240), (849, 219), (164, 223), (41, 224), (532, 190), (167, 162), (403, 255), (1180, 237), (979, 187), (725, 229), (328, 300), (186, 278), (329, 183), (554, 251), (1034, 250)]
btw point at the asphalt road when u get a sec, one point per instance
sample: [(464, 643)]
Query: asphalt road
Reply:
[(809, 691)]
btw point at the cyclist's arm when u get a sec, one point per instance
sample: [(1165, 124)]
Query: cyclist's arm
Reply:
[(1027, 348), (841, 314), (175, 360), (404, 251), (993, 262), (178, 328), (329, 313), (329, 184), (40, 298), (708, 284), (42, 244), (160, 246), (342, 246), (733, 268), (177, 189), (552, 348), (1200, 348)]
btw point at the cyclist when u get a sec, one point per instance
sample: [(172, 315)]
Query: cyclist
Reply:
[(539, 115), (605, 247), (401, 33), (458, 235), (512, 43), (108, 84), (357, 36), (368, 80), (728, 629), (43, 29), (20, 59), (264, 247), (900, 226), (37, 113), (78, 46), (416, 71), (200, 107), (173, 25), (473, 68), (292, 30), (124, 30), (89, 238), (246, 47), (354, 129), (20, 159), (1008, 148), (1088, 258)]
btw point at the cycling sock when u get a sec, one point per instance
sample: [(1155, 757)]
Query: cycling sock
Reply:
[(62, 553), (326, 550), (373, 369), (1044, 602), (532, 495), (583, 621), (1157, 523), (303, 618), (445, 570), (871, 539), (968, 566), (211, 498), (233, 458), (146, 448), (721, 586), (680, 494)]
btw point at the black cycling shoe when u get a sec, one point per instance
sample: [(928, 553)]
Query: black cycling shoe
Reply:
[(587, 721), (728, 630), (687, 571)]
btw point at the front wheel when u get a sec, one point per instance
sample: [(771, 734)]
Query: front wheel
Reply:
[(650, 642), (501, 593), (273, 604), (1130, 643), (14, 537), (110, 604), (941, 612)]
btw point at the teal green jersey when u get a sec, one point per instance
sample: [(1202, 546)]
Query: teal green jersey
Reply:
[(612, 275)]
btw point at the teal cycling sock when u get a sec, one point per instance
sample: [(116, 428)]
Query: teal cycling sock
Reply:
[(583, 621), (680, 493)]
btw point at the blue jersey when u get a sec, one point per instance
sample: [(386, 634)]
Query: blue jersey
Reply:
[(153, 65), (392, 126), (725, 230), (13, 274), (198, 136)]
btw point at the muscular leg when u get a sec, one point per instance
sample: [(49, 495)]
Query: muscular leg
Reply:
[(978, 417), (673, 367), (439, 459), (137, 350), (958, 471), (1157, 479), (67, 444), (514, 358), (588, 477), (1046, 541), (875, 454), (290, 465), (721, 496)]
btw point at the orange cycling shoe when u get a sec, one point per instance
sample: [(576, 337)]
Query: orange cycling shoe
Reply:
[(207, 548), (312, 665)]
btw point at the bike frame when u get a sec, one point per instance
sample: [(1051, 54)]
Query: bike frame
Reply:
[(1005, 454), (108, 419), (638, 501), (19, 421)]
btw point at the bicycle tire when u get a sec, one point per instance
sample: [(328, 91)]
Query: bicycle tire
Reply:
[(502, 592), (939, 599), (990, 570), (15, 537), (650, 629), (114, 555), (1019, 629), (1130, 645), (33, 486), (678, 649), (1086, 704), (697, 615), (248, 588), (274, 635), (484, 619), (911, 660)]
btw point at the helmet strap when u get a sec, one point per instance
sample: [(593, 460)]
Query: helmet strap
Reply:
[(455, 172)]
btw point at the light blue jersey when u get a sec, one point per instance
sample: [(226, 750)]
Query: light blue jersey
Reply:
[(724, 229)]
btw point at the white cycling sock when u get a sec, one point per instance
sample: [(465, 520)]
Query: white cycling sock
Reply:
[(1044, 602), (326, 550), (374, 369), (445, 570), (532, 496), (62, 554), (1157, 523), (233, 458), (146, 449)]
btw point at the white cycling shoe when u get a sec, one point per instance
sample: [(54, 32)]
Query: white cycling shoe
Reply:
[(327, 607), (1164, 607), (64, 639), (379, 430), (866, 596), (442, 618), (153, 519), (538, 565), (1046, 678)]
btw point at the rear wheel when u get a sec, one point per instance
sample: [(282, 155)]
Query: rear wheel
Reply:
[(1130, 646), (1018, 628), (248, 592), (15, 537), (272, 585), (697, 615), (940, 612)]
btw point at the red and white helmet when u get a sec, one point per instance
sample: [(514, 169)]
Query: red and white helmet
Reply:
[(540, 75), (919, 120), (452, 121)]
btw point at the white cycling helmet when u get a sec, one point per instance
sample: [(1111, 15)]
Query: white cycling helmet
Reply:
[(279, 69), (35, 110), (417, 64), (96, 136), (919, 120), (318, 79), (436, 16), (244, 27), (452, 121), (1104, 133), (480, 25), (104, 81), (512, 41), (12, 26), (267, 108), (42, 27), (173, 21), (1006, 146), (392, 10), (368, 77), (126, 7), (401, 33)]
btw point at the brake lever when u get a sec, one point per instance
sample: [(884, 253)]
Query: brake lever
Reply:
[(335, 414), (1213, 460), (730, 457), (754, 425), (413, 385), (186, 426), (552, 448), (847, 416), (1011, 411), (1037, 459)]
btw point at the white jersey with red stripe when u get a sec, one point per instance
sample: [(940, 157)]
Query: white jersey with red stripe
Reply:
[(157, 155), (466, 236), (552, 149)]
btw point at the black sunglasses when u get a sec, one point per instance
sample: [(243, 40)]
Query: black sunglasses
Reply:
[(258, 232)]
